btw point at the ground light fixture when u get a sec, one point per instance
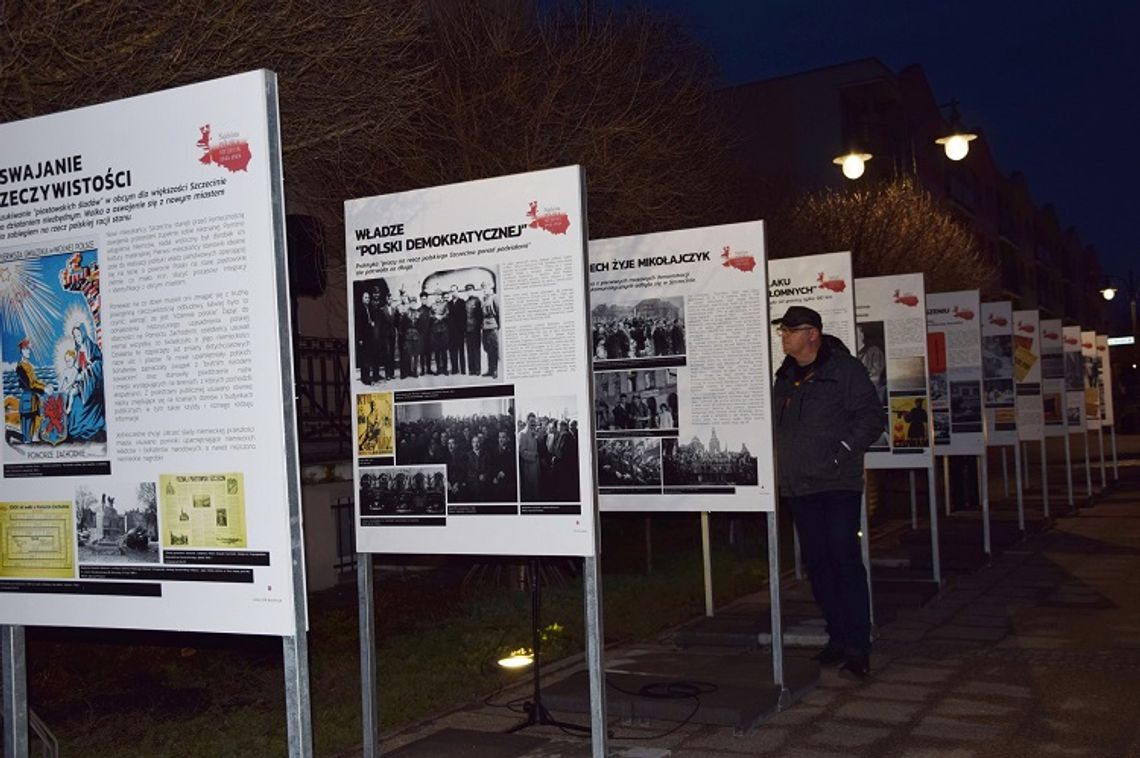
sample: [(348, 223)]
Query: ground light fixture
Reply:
[(957, 143), (517, 659), (853, 164)]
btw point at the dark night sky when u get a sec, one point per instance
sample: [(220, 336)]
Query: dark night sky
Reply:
[(1054, 85)]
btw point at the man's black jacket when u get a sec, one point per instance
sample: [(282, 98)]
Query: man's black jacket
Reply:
[(825, 422)]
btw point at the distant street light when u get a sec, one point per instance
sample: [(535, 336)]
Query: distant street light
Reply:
[(1108, 293), (957, 143), (853, 164), (1131, 289)]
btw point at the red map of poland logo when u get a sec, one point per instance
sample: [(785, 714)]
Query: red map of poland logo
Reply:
[(739, 261), (553, 221), (231, 154)]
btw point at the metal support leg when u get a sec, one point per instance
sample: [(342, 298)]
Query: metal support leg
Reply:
[(1088, 467), (913, 502), (706, 553), (298, 710), (1025, 465), (984, 487), (799, 559), (15, 691), (1044, 478), (935, 557), (1115, 462), (1004, 473), (365, 607), (865, 541), (774, 599), (1020, 491), (1069, 472), (1100, 443), (595, 642), (946, 483)]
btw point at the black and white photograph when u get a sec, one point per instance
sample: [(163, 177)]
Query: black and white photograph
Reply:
[(707, 459), (1073, 416), (942, 427), (629, 462), (997, 356), (640, 399), (965, 403), (999, 392), (939, 390), (627, 325), (440, 330), (870, 348), (403, 491), (1052, 365), (472, 439), (548, 450), (1074, 382), (116, 523), (907, 374)]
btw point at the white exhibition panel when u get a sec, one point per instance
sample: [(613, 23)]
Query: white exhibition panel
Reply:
[(1027, 376), (1053, 377), (890, 340), (682, 388), (954, 339), (1105, 379), (997, 373), (1091, 365), (820, 282), (470, 382), (147, 466), (1074, 379)]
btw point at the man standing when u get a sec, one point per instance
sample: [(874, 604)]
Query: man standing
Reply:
[(827, 414), (31, 391), (491, 331), (473, 330), (456, 318)]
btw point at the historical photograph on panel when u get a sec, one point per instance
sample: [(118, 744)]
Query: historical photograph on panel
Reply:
[(999, 392), (51, 353), (707, 459), (116, 523), (202, 510), (997, 355), (439, 330), (966, 406), (870, 348), (639, 399), (629, 325), (374, 424), (939, 389), (548, 450), (472, 439), (625, 462), (907, 374), (1073, 369), (910, 421), (942, 427), (403, 491)]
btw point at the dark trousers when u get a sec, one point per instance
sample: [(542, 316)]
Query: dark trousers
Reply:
[(474, 357), (455, 347), (828, 525)]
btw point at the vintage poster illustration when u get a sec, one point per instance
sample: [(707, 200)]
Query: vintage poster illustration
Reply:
[(51, 342), (470, 367), (955, 347), (1074, 379), (202, 510), (1027, 375), (682, 404), (1053, 377), (823, 283), (1091, 369), (36, 540), (997, 373), (890, 340)]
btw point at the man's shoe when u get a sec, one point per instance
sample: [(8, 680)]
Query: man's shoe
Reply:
[(829, 656), (856, 668)]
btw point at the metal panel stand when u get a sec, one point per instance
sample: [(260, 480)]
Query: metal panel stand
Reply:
[(913, 502), (366, 608), (1100, 442), (15, 691), (1028, 483), (799, 559), (1069, 472), (935, 557), (865, 543), (595, 642), (776, 615), (1115, 462), (1088, 467), (1044, 478), (706, 555), (1004, 473), (984, 491), (1020, 491), (946, 483)]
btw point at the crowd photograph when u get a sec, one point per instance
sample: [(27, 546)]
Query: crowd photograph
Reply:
[(548, 451), (625, 326), (439, 330), (641, 399), (472, 439), (629, 462), (716, 462), (403, 491)]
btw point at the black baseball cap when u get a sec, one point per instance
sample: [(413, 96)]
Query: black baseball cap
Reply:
[(799, 315)]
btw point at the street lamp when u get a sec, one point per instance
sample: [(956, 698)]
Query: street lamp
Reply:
[(1110, 288), (853, 164), (957, 143)]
